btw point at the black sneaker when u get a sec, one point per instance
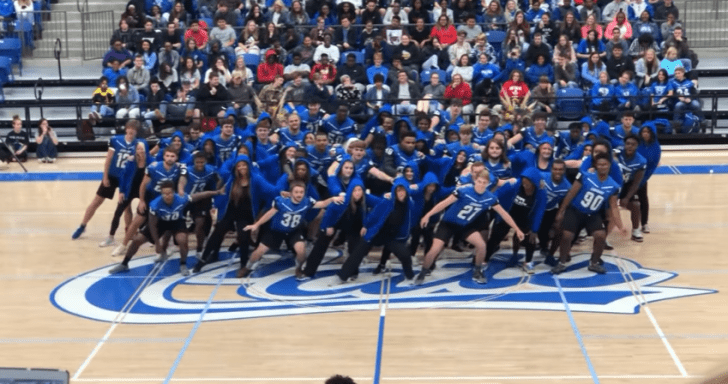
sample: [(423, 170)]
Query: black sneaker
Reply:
[(379, 268), (597, 268), (608, 246), (558, 269), (551, 261), (421, 277), (478, 276), (198, 266)]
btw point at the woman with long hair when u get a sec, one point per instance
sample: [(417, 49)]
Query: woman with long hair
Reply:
[(269, 35), (298, 17), (520, 25), (646, 69), (650, 149), (178, 15), (191, 50), (592, 25), (660, 91), (190, 72), (464, 69), (169, 78), (515, 93), (444, 31), (570, 27), (592, 69), (493, 17), (510, 11), (442, 8), (47, 141), (220, 68), (591, 43), (256, 15), (564, 48), (249, 39), (418, 11), (671, 61)]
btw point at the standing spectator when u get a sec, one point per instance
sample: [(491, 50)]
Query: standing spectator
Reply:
[(198, 34), (102, 99), (127, 100), (17, 142), (47, 141), (139, 76)]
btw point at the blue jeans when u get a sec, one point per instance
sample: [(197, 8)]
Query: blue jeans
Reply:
[(681, 108), (103, 110), (244, 110), (46, 149)]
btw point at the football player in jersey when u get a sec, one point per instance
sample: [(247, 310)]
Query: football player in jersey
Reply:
[(121, 150), (532, 136), (633, 167), (464, 206), (201, 177), (583, 208), (556, 187), (286, 218), (166, 219)]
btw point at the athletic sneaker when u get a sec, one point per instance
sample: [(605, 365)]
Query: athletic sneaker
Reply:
[(79, 231), (118, 269), (597, 268), (161, 258), (183, 270), (51, 159), (303, 278), (108, 241), (41, 160), (243, 272), (421, 277), (550, 260), (299, 270), (637, 235), (646, 228), (198, 266), (559, 268), (120, 250), (478, 276), (527, 267), (378, 269), (608, 246), (352, 279)]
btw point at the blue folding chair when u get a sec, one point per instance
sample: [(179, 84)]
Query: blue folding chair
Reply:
[(495, 39), (251, 61), (6, 71), (570, 103), (425, 76), (10, 47), (359, 56), (209, 23)]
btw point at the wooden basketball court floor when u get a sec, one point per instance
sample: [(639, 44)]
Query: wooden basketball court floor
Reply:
[(577, 329)]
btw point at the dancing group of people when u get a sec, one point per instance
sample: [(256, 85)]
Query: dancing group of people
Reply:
[(392, 183)]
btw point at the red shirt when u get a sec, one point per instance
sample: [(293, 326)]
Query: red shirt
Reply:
[(267, 72), (328, 72), (517, 90), (447, 36), (200, 37), (462, 91)]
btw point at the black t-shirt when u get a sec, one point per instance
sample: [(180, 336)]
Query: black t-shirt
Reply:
[(522, 206), (394, 220), (16, 140)]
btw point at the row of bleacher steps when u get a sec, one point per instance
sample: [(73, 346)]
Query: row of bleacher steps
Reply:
[(713, 81)]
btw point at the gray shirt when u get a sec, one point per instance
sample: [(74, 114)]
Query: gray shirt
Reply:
[(224, 35)]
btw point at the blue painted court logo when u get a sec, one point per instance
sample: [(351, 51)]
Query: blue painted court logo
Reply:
[(149, 295)]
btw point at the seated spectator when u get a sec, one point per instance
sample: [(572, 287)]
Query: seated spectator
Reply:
[(371, 12), (206, 8), (297, 67), (325, 69), (114, 72), (249, 40), (685, 95), (328, 16), (350, 93), (521, 26), (640, 45), (565, 73), (377, 68), (459, 89), (418, 11), (570, 27), (296, 96), (589, 7), (535, 49), (393, 32), (442, 8), (272, 95), (590, 45), (182, 106), (101, 102), (514, 92), (345, 37), (626, 93), (225, 34), (212, 99), (127, 100), (484, 69), (464, 69), (149, 34), (547, 28), (404, 95), (565, 48), (369, 33), (564, 9), (268, 36), (680, 42), (306, 51), (318, 31), (471, 29), (220, 68), (168, 55), (592, 25), (482, 46), (668, 27), (394, 9), (190, 73), (664, 8), (620, 21), (377, 96), (155, 98), (191, 50), (157, 18), (118, 53), (671, 62), (277, 14), (616, 40), (255, 14), (541, 67), (168, 78), (198, 34), (493, 18), (511, 42), (609, 11), (377, 46), (347, 10), (646, 26), (291, 38), (435, 55), (544, 96), (15, 141), (46, 138), (354, 70), (591, 70), (125, 35), (132, 16), (618, 63), (602, 94), (319, 94), (444, 30), (461, 9), (269, 69), (419, 34), (636, 7), (248, 75), (534, 13), (511, 8), (149, 56), (178, 16), (226, 10), (409, 54), (458, 49), (513, 62), (331, 51), (660, 92), (138, 75)]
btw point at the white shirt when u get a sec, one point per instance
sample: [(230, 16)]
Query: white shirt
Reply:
[(332, 51)]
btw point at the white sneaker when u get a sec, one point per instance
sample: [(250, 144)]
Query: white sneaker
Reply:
[(119, 251), (637, 235), (108, 241), (646, 228), (51, 159), (41, 160)]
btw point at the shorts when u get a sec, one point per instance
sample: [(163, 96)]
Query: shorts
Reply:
[(108, 192), (482, 222), (148, 197), (199, 209), (177, 226), (625, 189), (273, 239), (575, 221), (445, 230)]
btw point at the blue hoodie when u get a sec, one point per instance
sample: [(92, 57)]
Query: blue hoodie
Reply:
[(262, 193), (535, 71), (626, 92), (652, 152), (184, 155), (130, 168), (601, 92), (419, 195), (334, 182), (376, 219), (508, 192), (334, 212)]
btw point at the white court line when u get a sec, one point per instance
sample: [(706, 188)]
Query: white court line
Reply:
[(642, 302), (400, 378)]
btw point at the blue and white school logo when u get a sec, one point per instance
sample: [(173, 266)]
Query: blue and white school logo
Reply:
[(149, 295)]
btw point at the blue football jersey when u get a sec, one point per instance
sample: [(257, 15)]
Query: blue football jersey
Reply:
[(468, 206), (123, 152), (205, 180), (631, 166), (339, 132), (555, 193), (226, 148), (285, 136), (169, 212), (158, 174), (290, 215), (531, 137), (594, 194)]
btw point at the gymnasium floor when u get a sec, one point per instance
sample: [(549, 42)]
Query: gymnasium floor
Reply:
[(659, 315)]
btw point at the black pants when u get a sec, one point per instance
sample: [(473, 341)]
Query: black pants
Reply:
[(499, 232), (644, 204), (398, 247), (229, 222), (117, 215), (321, 245), (546, 223), (417, 231)]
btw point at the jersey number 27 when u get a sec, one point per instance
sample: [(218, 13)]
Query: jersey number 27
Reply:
[(468, 212)]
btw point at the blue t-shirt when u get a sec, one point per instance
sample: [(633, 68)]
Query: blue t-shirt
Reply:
[(469, 205), (289, 215), (285, 136), (169, 212), (123, 152), (594, 194)]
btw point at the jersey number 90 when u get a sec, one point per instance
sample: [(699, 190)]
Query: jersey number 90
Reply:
[(592, 201)]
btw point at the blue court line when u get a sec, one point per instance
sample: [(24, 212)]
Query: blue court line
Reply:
[(96, 176), (188, 340), (576, 332), (380, 342)]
